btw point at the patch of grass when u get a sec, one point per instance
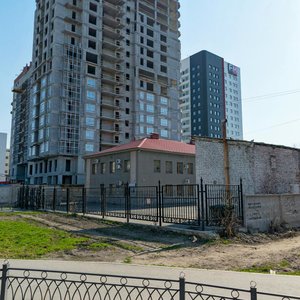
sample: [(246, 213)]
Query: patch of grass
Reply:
[(225, 241), (127, 260), (23, 239), (266, 268), (99, 246), (127, 246), (172, 247), (258, 269), (284, 264), (20, 213), (294, 273)]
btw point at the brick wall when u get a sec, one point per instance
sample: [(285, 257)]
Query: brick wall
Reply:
[(264, 169)]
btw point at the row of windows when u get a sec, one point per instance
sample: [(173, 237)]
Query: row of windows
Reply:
[(48, 167), (148, 130), (180, 167)]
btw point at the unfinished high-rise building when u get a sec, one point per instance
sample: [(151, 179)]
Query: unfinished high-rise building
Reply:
[(103, 73)]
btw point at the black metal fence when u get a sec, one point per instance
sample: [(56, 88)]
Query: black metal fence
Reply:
[(36, 284), (199, 205)]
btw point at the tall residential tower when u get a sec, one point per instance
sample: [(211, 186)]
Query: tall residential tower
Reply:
[(210, 93), (103, 73)]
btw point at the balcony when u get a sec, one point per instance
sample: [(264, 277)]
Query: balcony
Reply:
[(73, 21), (112, 33), (112, 80), (111, 68), (112, 9), (111, 44), (116, 2), (108, 130), (109, 92), (112, 22), (73, 7)]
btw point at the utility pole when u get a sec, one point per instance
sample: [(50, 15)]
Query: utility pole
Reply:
[(226, 155)]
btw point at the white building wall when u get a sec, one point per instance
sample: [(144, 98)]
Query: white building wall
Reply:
[(3, 138), (233, 101)]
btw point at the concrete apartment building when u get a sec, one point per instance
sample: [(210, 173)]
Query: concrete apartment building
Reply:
[(170, 162), (210, 92), (19, 126), (103, 73), (3, 138)]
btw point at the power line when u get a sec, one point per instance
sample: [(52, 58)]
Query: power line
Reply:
[(271, 95), (273, 126)]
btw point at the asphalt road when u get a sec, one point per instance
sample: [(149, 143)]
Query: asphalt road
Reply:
[(281, 284)]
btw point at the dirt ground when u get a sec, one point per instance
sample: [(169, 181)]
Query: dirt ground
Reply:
[(151, 245)]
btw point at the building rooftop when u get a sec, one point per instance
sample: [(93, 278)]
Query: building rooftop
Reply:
[(153, 143)]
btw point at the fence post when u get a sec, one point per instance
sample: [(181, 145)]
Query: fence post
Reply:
[(102, 200), (54, 199), (203, 215), (68, 200), (26, 197), (253, 292), (159, 203), (182, 287), (242, 199), (83, 201), (43, 199), (127, 204), (198, 204), (3, 281), (206, 204)]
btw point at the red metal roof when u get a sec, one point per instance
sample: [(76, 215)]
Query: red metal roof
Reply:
[(159, 145)]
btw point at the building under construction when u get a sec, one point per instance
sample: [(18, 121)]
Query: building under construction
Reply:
[(103, 73)]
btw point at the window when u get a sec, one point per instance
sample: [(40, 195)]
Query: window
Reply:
[(150, 108), (92, 32), (89, 135), (93, 7), (150, 130), (190, 168), (89, 147), (164, 111), (91, 95), (163, 38), (169, 167), (150, 64), (156, 166), (163, 69), (102, 168), (92, 20), (142, 95), (90, 57), (150, 97), (91, 82), (94, 169), (163, 122), (150, 119), (68, 165), (90, 121), (112, 167), (179, 168), (92, 44), (91, 70), (126, 166), (164, 100), (164, 133), (90, 107)]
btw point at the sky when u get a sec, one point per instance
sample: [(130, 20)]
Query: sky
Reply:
[(262, 37)]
